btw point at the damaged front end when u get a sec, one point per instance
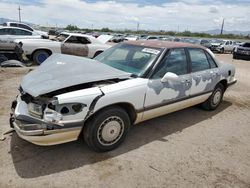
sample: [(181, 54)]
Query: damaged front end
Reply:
[(57, 97), (49, 121)]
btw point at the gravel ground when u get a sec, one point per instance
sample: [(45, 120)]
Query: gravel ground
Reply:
[(189, 148)]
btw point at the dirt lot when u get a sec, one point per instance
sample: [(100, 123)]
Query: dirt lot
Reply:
[(189, 148)]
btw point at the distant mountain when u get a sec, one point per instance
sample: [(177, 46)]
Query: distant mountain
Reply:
[(217, 31)]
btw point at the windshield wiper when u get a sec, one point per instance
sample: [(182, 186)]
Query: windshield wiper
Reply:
[(134, 75)]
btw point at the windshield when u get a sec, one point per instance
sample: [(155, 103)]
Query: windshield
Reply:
[(218, 41), (247, 45), (61, 37), (129, 58)]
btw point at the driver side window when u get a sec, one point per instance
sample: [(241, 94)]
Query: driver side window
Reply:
[(175, 62), (78, 40)]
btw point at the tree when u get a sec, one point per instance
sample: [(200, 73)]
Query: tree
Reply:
[(71, 27), (106, 29)]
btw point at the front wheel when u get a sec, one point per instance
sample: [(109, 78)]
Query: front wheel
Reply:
[(107, 129), (215, 99), (235, 56), (40, 56)]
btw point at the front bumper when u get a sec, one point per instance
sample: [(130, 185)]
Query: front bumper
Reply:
[(242, 55), (39, 132), (215, 48)]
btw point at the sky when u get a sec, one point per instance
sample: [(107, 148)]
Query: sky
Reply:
[(179, 15)]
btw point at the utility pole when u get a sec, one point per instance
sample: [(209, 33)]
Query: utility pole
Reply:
[(19, 12), (222, 26), (138, 25)]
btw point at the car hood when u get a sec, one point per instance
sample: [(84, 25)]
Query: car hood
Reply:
[(41, 32), (34, 41), (61, 71), (215, 44)]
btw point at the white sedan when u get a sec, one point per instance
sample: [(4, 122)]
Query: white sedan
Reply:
[(12, 33), (77, 44), (70, 97)]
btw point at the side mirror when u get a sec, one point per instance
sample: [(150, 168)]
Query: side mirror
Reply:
[(169, 76)]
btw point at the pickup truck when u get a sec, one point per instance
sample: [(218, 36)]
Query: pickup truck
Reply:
[(223, 46)]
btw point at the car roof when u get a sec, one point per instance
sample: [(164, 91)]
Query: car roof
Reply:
[(93, 39), (162, 44), (18, 23), (76, 34)]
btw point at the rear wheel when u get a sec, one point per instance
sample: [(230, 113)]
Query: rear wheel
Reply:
[(107, 129), (40, 56), (215, 99), (235, 56)]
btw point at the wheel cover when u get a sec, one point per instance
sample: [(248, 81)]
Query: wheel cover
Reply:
[(42, 57), (110, 130), (217, 97)]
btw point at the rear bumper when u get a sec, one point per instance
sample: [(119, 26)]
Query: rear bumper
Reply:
[(39, 132), (232, 83), (241, 56)]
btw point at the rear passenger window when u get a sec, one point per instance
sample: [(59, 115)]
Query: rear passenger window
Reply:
[(3, 31), (199, 60), (211, 61), (13, 25), (19, 32)]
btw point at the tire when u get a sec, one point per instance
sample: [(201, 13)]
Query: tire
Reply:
[(40, 56), (235, 56), (97, 53), (222, 50), (107, 129), (215, 99)]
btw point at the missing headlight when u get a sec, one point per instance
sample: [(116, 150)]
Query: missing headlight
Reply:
[(77, 107)]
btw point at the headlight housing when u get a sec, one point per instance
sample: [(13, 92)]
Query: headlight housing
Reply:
[(35, 109), (52, 116)]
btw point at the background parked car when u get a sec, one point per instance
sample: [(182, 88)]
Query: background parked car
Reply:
[(27, 27), (150, 38), (242, 51), (77, 44), (12, 33), (227, 46), (118, 38), (206, 43), (223, 46)]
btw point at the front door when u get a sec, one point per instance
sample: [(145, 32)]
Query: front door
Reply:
[(75, 45), (161, 94)]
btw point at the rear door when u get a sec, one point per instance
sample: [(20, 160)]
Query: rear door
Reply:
[(204, 72)]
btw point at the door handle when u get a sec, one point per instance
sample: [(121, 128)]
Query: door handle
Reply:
[(187, 81), (198, 76)]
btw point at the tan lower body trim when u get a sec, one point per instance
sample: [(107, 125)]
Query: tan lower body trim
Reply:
[(54, 138), (163, 110)]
